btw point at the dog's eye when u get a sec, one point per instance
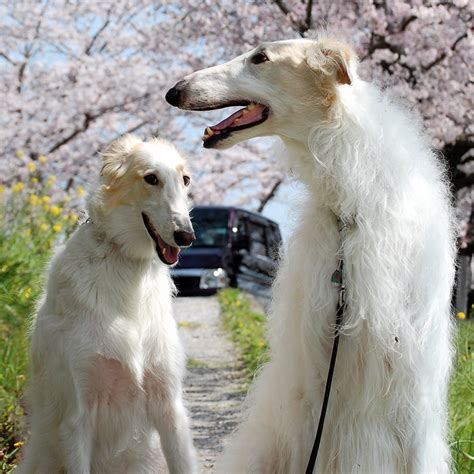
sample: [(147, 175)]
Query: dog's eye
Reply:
[(151, 179), (259, 58), (186, 180)]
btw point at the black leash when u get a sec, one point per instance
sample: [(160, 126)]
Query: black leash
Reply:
[(337, 279)]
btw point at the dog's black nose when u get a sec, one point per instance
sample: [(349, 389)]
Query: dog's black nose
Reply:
[(173, 96), (184, 239)]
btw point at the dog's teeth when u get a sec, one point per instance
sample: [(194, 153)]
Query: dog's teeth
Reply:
[(251, 106), (164, 251), (209, 132)]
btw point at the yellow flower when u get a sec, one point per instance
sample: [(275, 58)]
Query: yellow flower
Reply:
[(27, 292), (31, 167), (34, 180), (46, 199), (73, 218), (57, 228), (18, 444), (2, 189), (461, 315), (20, 154), (262, 343), (42, 159), (28, 232), (16, 188), (81, 191), (44, 227), (35, 200), (51, 180), (55, 210), (46, 207)]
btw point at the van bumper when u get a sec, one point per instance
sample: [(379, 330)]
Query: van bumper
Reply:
[(199, 281)]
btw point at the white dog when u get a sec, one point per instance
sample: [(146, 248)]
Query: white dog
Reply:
[(365, 161), (107, 361)]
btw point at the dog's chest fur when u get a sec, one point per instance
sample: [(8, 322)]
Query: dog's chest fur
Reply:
[(119, 321)]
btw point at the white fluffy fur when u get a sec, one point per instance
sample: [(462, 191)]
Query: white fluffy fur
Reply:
[(364, 159), (107, 361)]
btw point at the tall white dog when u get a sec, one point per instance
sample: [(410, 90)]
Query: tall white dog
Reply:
[(107, 361), (363, 160)]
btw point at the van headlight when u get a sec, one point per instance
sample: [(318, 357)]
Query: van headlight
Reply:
[(213, 278)]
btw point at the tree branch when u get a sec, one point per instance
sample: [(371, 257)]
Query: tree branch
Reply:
[(97, 34), (5, 56), (309, 12), (406, 21), (380, 42), (463, 180), (89, 119), (130, 130), (443, 55), (29, 49), (270, 195), (300, 26)]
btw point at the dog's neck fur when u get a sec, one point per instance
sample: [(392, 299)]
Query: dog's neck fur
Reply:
[(342, 159), (366, 164), (130, 241)]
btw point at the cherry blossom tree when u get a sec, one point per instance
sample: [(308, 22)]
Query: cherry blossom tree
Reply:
[(76, 74)]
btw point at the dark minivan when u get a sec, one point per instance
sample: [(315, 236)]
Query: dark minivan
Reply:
[(233, 247)]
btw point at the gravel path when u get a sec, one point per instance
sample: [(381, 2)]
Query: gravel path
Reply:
[(214, 383)]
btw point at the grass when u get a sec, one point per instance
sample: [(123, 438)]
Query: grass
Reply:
[(461, 399), (20, 280), (34, 216), (192, 363), (247, 330)]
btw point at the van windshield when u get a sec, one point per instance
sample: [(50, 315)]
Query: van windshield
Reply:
[(210, 227)]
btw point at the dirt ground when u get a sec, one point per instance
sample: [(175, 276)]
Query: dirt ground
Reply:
[(214, 386)]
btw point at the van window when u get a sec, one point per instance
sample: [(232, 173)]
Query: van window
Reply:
[(258, 243), (273, 240), (210, 227)]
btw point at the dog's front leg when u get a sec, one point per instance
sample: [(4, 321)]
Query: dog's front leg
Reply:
[(172, 423), (75, 435)]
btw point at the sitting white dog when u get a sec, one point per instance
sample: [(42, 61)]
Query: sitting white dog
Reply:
[(107, 361)]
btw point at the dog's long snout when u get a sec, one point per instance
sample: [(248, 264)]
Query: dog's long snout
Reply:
[(174, 95), (183, 238)]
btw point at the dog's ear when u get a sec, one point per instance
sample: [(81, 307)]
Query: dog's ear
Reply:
[(334, 59), (116, 155)]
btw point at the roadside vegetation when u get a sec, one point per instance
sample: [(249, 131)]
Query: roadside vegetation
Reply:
[(35, 215), (247, 329), (461, 398)]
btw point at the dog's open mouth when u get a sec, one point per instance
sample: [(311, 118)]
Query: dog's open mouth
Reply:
[(167, 253), (250, 116)]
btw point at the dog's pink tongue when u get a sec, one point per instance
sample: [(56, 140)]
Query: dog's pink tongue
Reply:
[(245, 116), (172, 254)]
